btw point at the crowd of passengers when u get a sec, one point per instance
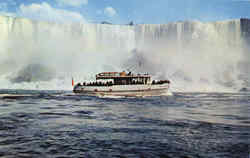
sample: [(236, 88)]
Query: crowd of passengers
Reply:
[(110, 83), (160, 82)]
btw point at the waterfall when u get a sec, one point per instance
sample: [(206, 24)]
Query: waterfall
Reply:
[(195, 56)]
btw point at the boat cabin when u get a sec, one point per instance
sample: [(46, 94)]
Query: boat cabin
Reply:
[(123, 78)]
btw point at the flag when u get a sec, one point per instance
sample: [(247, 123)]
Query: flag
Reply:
[(72, 81)]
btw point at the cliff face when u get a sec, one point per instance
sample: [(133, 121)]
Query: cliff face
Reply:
[(194, 52)]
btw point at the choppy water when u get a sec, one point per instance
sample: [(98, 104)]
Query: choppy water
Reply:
[(185, 125)]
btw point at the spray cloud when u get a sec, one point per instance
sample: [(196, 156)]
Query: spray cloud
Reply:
[(195, 56)]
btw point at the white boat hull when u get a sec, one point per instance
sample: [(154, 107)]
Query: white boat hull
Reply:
[(123, 90)]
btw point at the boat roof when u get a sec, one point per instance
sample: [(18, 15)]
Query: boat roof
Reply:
[(114, 75)]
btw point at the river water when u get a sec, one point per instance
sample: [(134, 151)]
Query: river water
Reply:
[(182, 125)]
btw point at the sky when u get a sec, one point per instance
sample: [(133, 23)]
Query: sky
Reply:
[(125, 11)]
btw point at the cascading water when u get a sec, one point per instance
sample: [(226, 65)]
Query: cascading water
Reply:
[(46, 55), (195, 56)]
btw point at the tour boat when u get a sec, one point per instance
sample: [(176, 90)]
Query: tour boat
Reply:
[(122, 84)]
